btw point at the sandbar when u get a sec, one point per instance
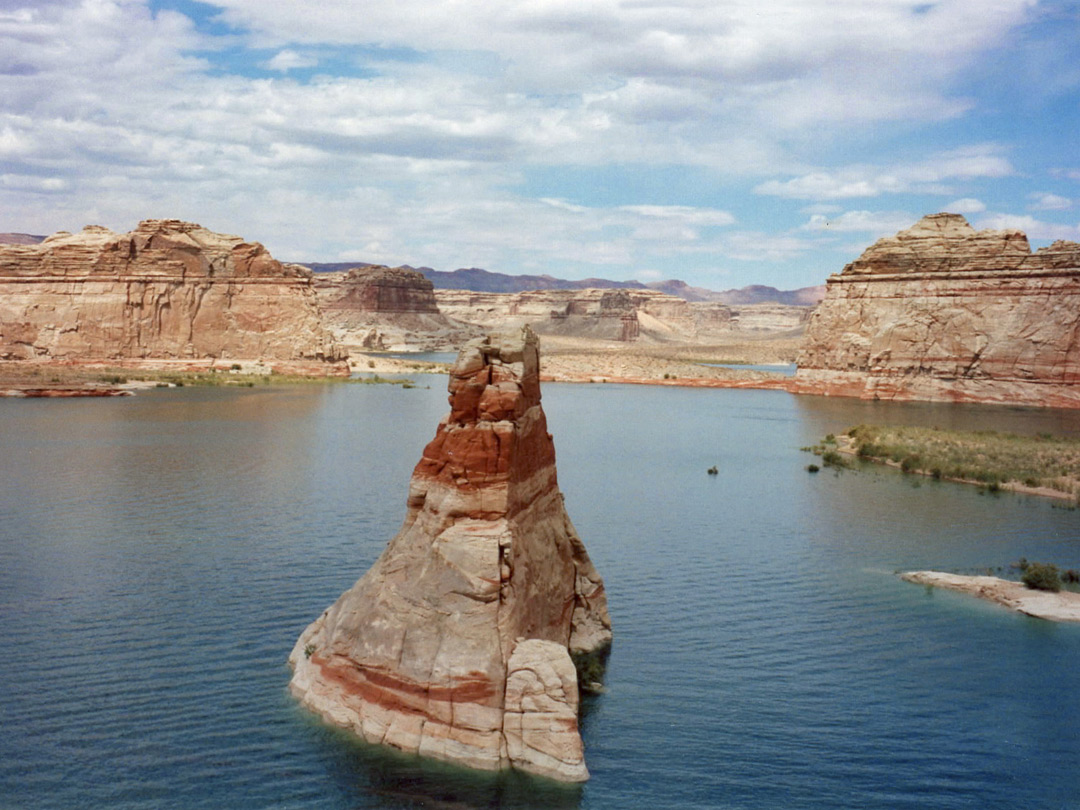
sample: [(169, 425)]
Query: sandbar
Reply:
[(1062, 606)]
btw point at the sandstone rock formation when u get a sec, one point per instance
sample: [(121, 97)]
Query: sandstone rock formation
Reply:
[(943, 312), (380, 308), (457, 643), (619, 315), (169, 290), (376, 288)]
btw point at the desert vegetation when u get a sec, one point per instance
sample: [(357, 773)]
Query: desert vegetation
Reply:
[(1042, 463)]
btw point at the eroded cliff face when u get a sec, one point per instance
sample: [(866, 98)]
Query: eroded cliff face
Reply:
[(618, 315), (168, 290), (387, 309), (376, 288), (457, 643), (943, 312)]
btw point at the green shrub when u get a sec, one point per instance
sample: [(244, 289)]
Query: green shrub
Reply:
[(813, 468), (909, 463), (1042, 577), (831, 458)]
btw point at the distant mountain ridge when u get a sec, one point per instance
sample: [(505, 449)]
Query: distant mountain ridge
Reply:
[(20, 239), (478, 280)]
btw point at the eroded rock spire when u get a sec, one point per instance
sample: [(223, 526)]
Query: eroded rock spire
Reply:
[(458, 642)]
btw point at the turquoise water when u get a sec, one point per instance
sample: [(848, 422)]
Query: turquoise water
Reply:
[(160, 554)]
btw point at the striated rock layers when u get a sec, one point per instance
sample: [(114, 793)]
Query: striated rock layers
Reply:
[(169, 290), (619, 315), (943, 312), (376, 288), (457, 643), (387, 308)]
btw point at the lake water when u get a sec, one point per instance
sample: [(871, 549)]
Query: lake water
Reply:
[(160, 554)]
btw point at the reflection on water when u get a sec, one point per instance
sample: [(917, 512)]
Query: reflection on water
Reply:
[(160, 554), (839, 413), (406, 781)]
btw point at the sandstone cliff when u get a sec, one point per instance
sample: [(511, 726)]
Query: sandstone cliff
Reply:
[(618, 315), (387, 309), (169, 290), (457, 643), (943, 312)]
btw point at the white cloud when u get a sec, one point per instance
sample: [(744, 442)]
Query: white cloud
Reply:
[(756, 246), (829, 186), (926, 176), (965, 205), (681, 213), (1043, 201), (877, 223), (423, 155), (821, 208), (32, 183), (1035, 229), (286, 60)]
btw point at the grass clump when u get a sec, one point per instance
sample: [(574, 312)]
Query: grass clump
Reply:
[(375, 379)]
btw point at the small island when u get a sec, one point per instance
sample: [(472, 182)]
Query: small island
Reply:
[(1057, 606), (1036, 465)]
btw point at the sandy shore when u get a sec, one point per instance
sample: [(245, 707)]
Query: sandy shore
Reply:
[(1063, 606), (579, 360), (563, 359)]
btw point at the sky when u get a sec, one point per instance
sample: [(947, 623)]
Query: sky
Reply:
[(721, 142)]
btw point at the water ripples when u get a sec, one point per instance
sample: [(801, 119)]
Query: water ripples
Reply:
[(159, 559)]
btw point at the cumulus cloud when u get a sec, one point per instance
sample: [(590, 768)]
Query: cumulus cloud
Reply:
[(880, 61), (31, 183), (286, 60), (1034, 228), (876, 223), (1043, 201), (420, 150), (965, 205), (928, 176)]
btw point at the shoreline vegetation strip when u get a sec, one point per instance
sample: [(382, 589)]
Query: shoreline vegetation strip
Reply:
[(1042, 464)]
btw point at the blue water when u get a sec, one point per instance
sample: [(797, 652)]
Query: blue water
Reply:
[(160, 554)]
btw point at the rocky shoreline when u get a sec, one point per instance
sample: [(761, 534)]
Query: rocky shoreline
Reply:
[(1060, 606)]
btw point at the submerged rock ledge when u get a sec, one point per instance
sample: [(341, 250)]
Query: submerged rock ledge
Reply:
[(460, 642), (1063, 606)]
